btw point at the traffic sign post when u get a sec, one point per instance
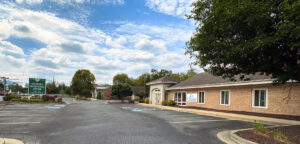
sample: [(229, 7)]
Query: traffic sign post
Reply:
[(37, 86)]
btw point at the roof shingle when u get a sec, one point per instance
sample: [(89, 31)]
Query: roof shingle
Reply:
[(207, 78)]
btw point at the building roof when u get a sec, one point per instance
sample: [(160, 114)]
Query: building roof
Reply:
[(205, 80), (164, 80)]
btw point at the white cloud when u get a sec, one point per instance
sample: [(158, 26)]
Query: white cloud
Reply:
[(69, 46), (62, 2), (170, 34), (169, 60), (171, 7), (11, 56), (151, 45), (29, 1)]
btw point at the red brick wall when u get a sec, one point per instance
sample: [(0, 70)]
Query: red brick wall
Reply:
[(278, 101)]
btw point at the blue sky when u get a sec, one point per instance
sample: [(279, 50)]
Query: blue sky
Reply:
[(46, 38)]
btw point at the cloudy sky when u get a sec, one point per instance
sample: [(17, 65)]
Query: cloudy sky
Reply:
[(46, 38)]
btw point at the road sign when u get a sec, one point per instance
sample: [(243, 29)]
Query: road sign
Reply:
[(37, 86)]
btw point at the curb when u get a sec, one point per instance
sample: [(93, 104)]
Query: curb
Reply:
[(10, 141), (238, 139), (230, 138), (242, 117)]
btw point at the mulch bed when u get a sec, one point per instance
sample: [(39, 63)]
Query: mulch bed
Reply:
[(288, 117), (291, 132)]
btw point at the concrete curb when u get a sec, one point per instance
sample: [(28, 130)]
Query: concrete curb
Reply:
[(238, 139), (242, 117), (230, 138), (10, 141)]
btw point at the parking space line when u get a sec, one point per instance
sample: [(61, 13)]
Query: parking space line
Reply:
[(16, 123), (24, 115), (199, 121)]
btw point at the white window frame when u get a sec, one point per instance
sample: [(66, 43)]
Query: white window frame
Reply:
[(198, 97), (228, 98), (181, 97), (253, 98)]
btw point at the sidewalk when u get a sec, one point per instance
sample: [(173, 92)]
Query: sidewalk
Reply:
[(10, 141), (248, 118)]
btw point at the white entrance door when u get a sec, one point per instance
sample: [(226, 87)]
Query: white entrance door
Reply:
[(157, 97)]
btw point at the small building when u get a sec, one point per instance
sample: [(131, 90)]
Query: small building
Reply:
[(104, 89), (158, 87), (258, 94)]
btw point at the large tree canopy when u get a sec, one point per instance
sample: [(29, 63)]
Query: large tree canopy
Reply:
[(121, 79), (121, 90), (83, 83), (243, 37)]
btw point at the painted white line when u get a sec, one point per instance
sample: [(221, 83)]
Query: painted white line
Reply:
[(200, 121), (23, 115), (16, 123)]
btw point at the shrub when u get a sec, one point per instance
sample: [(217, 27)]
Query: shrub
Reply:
[(146, 100), (141, 101), (83, 98), (170, 103), (16, 99), (130, 101), (77, 97), (6, 98), (34, 100), (99, 95), (59, 99), (24, 99), (47, 98), (164, 103), (259, 127)]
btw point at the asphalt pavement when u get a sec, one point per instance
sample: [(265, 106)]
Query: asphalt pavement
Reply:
[(96, 122)]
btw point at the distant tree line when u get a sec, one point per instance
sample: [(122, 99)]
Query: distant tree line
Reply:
[(123, 81), (53, 88)]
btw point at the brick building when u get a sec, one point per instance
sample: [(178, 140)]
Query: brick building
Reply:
[(205, 90)]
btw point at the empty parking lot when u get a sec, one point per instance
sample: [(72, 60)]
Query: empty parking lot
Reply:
[(99, 122)]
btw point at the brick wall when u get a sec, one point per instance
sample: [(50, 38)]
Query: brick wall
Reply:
[(278, 101)]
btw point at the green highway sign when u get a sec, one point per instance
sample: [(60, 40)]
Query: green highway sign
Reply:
[(37, 86)]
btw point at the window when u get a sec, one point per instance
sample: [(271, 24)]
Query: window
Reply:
[(259, 98), (224, 97), (180, 98), (201, 97)]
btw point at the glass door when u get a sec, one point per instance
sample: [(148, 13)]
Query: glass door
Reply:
[(180, 98)]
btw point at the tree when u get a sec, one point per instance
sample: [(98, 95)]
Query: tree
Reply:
[(247, 37), (155, 74), (83, 83), (51, 88), (121, 79), (184, 76), (121, 90), (99, 95), (17, 88)]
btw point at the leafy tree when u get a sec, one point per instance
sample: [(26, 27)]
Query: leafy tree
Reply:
[(247, 37), (121, 79), (184, 76), (121, 90), (99, 95), (83, 83), (51, 88), (17, 88), (155, 74)]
